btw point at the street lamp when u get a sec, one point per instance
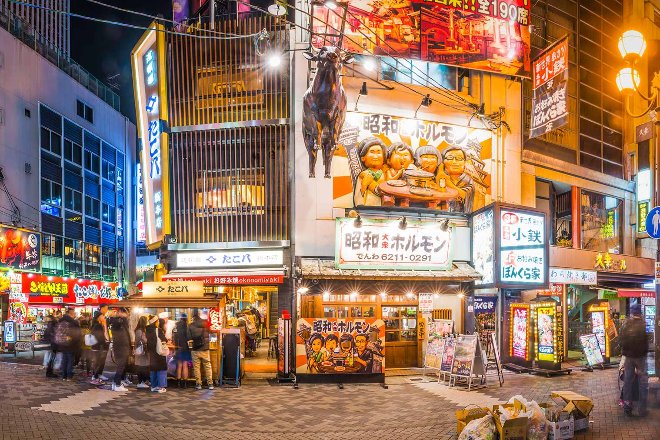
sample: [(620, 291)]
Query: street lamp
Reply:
[(632, 46)]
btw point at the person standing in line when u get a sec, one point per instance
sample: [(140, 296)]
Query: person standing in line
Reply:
[(49, 336), (86, 351), (100, 349), (121, 347), (198, 336), (182, 354), (140, 352), (68, 340), (634, 346), (157, 362)]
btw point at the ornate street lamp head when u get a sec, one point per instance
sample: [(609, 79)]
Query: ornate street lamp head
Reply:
[(632, 45), (627, 80)]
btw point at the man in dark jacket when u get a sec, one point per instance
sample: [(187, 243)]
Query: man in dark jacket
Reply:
[(49, 336), (121, 347), (68, 339), (100, 349), (634, 346), (198, 338)]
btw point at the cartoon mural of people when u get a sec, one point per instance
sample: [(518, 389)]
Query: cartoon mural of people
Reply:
[(372, 152), (399, 158), (315, 355), (427, 158), (365, 357), (346, 347), (331, 344), (452, 170)]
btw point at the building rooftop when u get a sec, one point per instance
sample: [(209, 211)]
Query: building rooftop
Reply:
[(24, 32)]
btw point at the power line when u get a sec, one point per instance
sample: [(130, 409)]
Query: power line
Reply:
[(155, 17), (129, 25)]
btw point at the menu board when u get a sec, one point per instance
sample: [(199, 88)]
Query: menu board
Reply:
[(435, 344), (340, 346), (592, 350), (545, 333), (519, 336), (448, 354), (466, 347), (598, 327)]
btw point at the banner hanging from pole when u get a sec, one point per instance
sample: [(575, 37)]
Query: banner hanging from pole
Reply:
[(550, 84)]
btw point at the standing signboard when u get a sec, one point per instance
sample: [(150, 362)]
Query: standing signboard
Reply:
[(550, 83), (468, 359), (448, 355), (519, 332), (600, 317), (592, 351), (546, 335), (9, 334), (435, 344)]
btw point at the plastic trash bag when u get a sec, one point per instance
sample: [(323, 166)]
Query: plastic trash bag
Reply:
[(537, 429), (479, 429)]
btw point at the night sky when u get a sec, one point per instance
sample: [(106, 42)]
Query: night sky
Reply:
[(103, 49)]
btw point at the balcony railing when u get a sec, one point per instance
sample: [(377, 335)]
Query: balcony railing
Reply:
[(24, 32)]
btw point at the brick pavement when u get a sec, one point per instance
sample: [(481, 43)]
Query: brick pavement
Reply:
[(260, 411)]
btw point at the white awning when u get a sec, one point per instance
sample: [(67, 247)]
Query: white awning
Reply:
[(325, 269)]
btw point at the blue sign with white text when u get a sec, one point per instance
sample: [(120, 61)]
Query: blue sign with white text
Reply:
[(653, 222), (484, 304), (9, 334)]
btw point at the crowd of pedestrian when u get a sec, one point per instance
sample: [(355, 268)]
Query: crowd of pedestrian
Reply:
[(140, 352)]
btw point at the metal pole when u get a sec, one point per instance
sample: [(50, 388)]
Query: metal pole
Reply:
[(656, 329), (212, 15)]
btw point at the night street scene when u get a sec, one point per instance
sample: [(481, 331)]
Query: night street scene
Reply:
[(327, 219)]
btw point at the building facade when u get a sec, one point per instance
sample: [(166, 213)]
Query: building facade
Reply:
[(67, 174), (46, 18)]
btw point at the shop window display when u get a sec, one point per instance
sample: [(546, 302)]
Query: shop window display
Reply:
[(602, 223)]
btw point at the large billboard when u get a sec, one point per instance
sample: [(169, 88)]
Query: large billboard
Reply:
[(384, 160), (150, 87), (489, 35), (20, 249)]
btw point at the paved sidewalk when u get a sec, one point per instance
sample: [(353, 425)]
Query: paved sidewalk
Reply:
[(33, 407)]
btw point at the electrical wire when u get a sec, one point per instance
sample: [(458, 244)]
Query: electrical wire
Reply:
[(471, 111), (155, 17), (128, 25)]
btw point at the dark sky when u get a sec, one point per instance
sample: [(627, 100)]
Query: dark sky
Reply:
[(103, 49)]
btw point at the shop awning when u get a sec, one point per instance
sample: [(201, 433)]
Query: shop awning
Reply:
[(325, 269), (635, 293)]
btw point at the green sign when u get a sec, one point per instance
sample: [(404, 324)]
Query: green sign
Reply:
[(642, 212), (607, 294)]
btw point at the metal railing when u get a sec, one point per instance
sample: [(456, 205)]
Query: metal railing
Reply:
[(24, 32)]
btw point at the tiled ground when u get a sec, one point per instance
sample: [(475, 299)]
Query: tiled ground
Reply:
[(408, 409)]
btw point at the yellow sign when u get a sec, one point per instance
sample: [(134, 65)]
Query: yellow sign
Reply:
[(173, 289), (48, 288), (607, 263)]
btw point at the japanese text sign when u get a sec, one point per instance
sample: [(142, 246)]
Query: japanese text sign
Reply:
[(382, 244), (572, 276), (9, 335), (149, 80), (215, 319), (522, 247), (43, 288), (483, 245), (550, 81), (484, 304), (230, 259), (519, 331), (340, 346), (20, 249), (425, 302)]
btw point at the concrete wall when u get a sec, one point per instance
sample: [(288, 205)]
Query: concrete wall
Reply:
[(27, 79)]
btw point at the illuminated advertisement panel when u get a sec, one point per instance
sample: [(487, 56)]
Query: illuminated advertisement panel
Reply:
[(489, 35), (149, 82), (546, 334), (599, 324), (519, 331)]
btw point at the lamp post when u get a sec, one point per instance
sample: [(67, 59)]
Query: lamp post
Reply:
[(632, 46)]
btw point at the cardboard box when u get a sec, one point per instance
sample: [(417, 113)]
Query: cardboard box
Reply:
[(465, 416), (561, 430), (577, 405), (512, 429)]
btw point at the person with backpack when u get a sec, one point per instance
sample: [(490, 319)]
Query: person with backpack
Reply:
[(198, 338), (634, 346), (68, 338), (121, 347)]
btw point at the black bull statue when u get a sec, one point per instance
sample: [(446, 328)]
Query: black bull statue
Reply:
[(324, 106)]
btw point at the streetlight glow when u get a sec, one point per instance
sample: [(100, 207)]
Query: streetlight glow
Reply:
[(632, 45), (274, 60), (627, 80)]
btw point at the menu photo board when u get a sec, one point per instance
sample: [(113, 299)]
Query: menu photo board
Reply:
[(546, 333), (464, 353), (591, 349), (435, 344), (340, 346), (448, 354), (519, 331), (599, 324)]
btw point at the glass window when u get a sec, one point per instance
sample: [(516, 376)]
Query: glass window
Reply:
[(72, 200), (51, 197), (92, 260), (73, 257), (72, 152), (51, 141), (228, 191), (108, 171), (602, 223), (108, 213), (52, 246), (92, 162), (92, 207)]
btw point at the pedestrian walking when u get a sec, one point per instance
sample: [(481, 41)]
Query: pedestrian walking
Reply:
[(157, 356), (198, 337), (140, 353), (182, 353), (49, 337), (121, 347), (68, 339), (86, 356), (634, 346), (100, 349)]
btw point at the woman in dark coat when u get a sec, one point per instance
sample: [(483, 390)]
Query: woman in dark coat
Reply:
[(157, 363)]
